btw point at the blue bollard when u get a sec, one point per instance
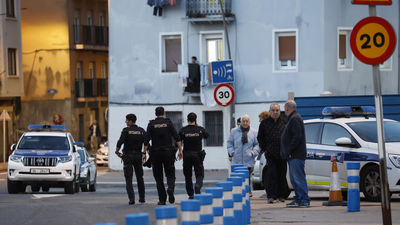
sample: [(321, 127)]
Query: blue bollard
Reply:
[(353, 190), (233, 166), (190, 212), (229, 218), (206, 211), (247, 188), (227, 198), (166, 215), (105, 224), (137, 219), (238, 209), (218, 208)]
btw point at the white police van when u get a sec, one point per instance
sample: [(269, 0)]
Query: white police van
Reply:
[(350, 134), (44, 157)]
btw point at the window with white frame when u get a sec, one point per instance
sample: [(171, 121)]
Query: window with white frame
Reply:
[(387, 65), (102, 19), (285, 50), (10, 8), (212, 47), (104, 69), (79, 74), (171, 52), (345, 57), (214, 126), (12, 62), (176, 119), (92, 70), (89, 18), (77, 28)]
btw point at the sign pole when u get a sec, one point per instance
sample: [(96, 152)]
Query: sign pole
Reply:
[(385, 202), (4, 136)]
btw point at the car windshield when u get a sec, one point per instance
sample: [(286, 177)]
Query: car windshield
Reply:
[(82, 155), (44, 143), (367, 130)]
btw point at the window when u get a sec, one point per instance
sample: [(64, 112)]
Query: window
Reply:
[(89, 18), (332, 132), (92, 70), (387, 65), (104, 70), (77, 30), (79, 70), (176, 118), (313, 131), (212, 47), (285, 50), (102, 19), (12, 62), (345, 56), (171, 52), (10, 8), (214, 126)]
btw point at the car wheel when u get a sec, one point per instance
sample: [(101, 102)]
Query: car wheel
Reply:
[(12, 187), (45, 188), (370, 183), (35, 188), (92, 187), (69, 187), (84, 188)]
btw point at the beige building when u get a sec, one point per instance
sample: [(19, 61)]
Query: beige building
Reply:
[(65, 53), (11, 76)]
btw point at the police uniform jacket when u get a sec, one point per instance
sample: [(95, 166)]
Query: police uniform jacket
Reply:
[(192, 136), (133, 138), (161, 132)]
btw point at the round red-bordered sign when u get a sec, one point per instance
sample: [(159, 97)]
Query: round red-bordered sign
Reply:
[(373, 40), (224, 94), (58, 119)]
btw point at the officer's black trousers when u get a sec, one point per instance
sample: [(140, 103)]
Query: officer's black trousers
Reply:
[(163, 159), (190, 160), (133, 161)]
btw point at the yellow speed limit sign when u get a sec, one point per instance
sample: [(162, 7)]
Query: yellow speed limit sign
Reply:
[(373, 40)]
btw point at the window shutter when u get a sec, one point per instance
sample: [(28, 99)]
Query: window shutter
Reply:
[(342, 46), (287, 48)]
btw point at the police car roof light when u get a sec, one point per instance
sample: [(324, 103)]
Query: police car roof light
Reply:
[(40, 127), (347, 111)]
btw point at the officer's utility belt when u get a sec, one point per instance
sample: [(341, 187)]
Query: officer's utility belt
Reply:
[(132, 152), (163, 149)]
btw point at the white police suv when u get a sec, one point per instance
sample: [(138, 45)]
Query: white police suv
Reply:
[(44, 157), (350, 133)]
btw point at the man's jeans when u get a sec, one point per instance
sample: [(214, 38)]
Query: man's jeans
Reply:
[(298, 180)]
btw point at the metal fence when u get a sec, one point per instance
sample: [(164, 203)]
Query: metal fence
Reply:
[(204, 8), (91, 88), (91, 35)]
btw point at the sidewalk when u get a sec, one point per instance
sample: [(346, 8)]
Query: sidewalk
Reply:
[(3, 167)]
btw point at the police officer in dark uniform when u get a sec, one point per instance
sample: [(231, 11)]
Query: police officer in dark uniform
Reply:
[(193, 155), (133, 138), (162, 133)]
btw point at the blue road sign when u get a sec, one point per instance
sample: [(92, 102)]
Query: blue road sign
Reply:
[(222, 72)]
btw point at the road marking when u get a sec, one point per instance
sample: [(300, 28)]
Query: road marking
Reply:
[(39, 196)]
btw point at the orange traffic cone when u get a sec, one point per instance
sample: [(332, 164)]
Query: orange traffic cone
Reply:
[(335, 192)]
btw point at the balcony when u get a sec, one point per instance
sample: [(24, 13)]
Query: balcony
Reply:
[(91, 37), (208, 11), (91, 90)]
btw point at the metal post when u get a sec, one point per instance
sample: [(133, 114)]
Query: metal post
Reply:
[(4, 136)]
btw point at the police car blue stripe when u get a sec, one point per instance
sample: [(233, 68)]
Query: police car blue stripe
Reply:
[(41, 152), (320, 154)]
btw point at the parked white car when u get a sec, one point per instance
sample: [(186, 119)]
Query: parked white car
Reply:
[(351, 133), (102, 154), (88, 170), (44, 157)]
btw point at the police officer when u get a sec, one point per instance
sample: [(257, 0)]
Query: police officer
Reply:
[(193, 156), (162, 133), (133, 138)]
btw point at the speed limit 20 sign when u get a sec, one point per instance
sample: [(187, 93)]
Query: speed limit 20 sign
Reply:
[(373, 40), (224, 94)]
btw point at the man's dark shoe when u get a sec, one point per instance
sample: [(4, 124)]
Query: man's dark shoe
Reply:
[(304, 205), (171, 197), (191, 197), (293, 204), (132, 202), (270, 200), (142, 200), (281, 200), (161, 203)]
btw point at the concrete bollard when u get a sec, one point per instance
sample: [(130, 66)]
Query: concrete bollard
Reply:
[(166, 215), (238, 212), (229, 218), (227, 199), (233, 166), (218, 209), (247, 190), (206, 211), (190, 212), (242, 176), (105, 224), (137, 219), (353, 190)]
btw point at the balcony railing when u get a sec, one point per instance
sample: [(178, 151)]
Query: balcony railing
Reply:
[(91, 35), (205, 8), (87, 88)]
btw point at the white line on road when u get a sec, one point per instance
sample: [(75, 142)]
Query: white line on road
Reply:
[(39, 196)]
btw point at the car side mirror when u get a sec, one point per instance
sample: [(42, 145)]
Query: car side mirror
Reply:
[(74, 149), (345, 142), (91, 159), (13, 147)]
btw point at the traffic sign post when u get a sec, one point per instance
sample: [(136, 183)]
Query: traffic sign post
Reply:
[(224, 94), (373, 41)]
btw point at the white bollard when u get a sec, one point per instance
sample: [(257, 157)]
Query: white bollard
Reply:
[(218, 208), (166, 215), (137, 219), (190, 212), (206, 210)]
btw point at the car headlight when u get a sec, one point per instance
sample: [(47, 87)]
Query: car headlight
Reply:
[(395, 159), (65, 159), (16, 158)]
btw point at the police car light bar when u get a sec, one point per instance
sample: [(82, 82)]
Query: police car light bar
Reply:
[(39, 127), (347, 111)]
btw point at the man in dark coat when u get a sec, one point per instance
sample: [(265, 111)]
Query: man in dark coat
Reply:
[(293, 148)]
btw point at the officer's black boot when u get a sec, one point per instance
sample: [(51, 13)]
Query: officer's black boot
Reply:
[(171, 197), (132, 201)]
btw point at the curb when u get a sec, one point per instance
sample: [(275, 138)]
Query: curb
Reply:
[(120, 184)]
